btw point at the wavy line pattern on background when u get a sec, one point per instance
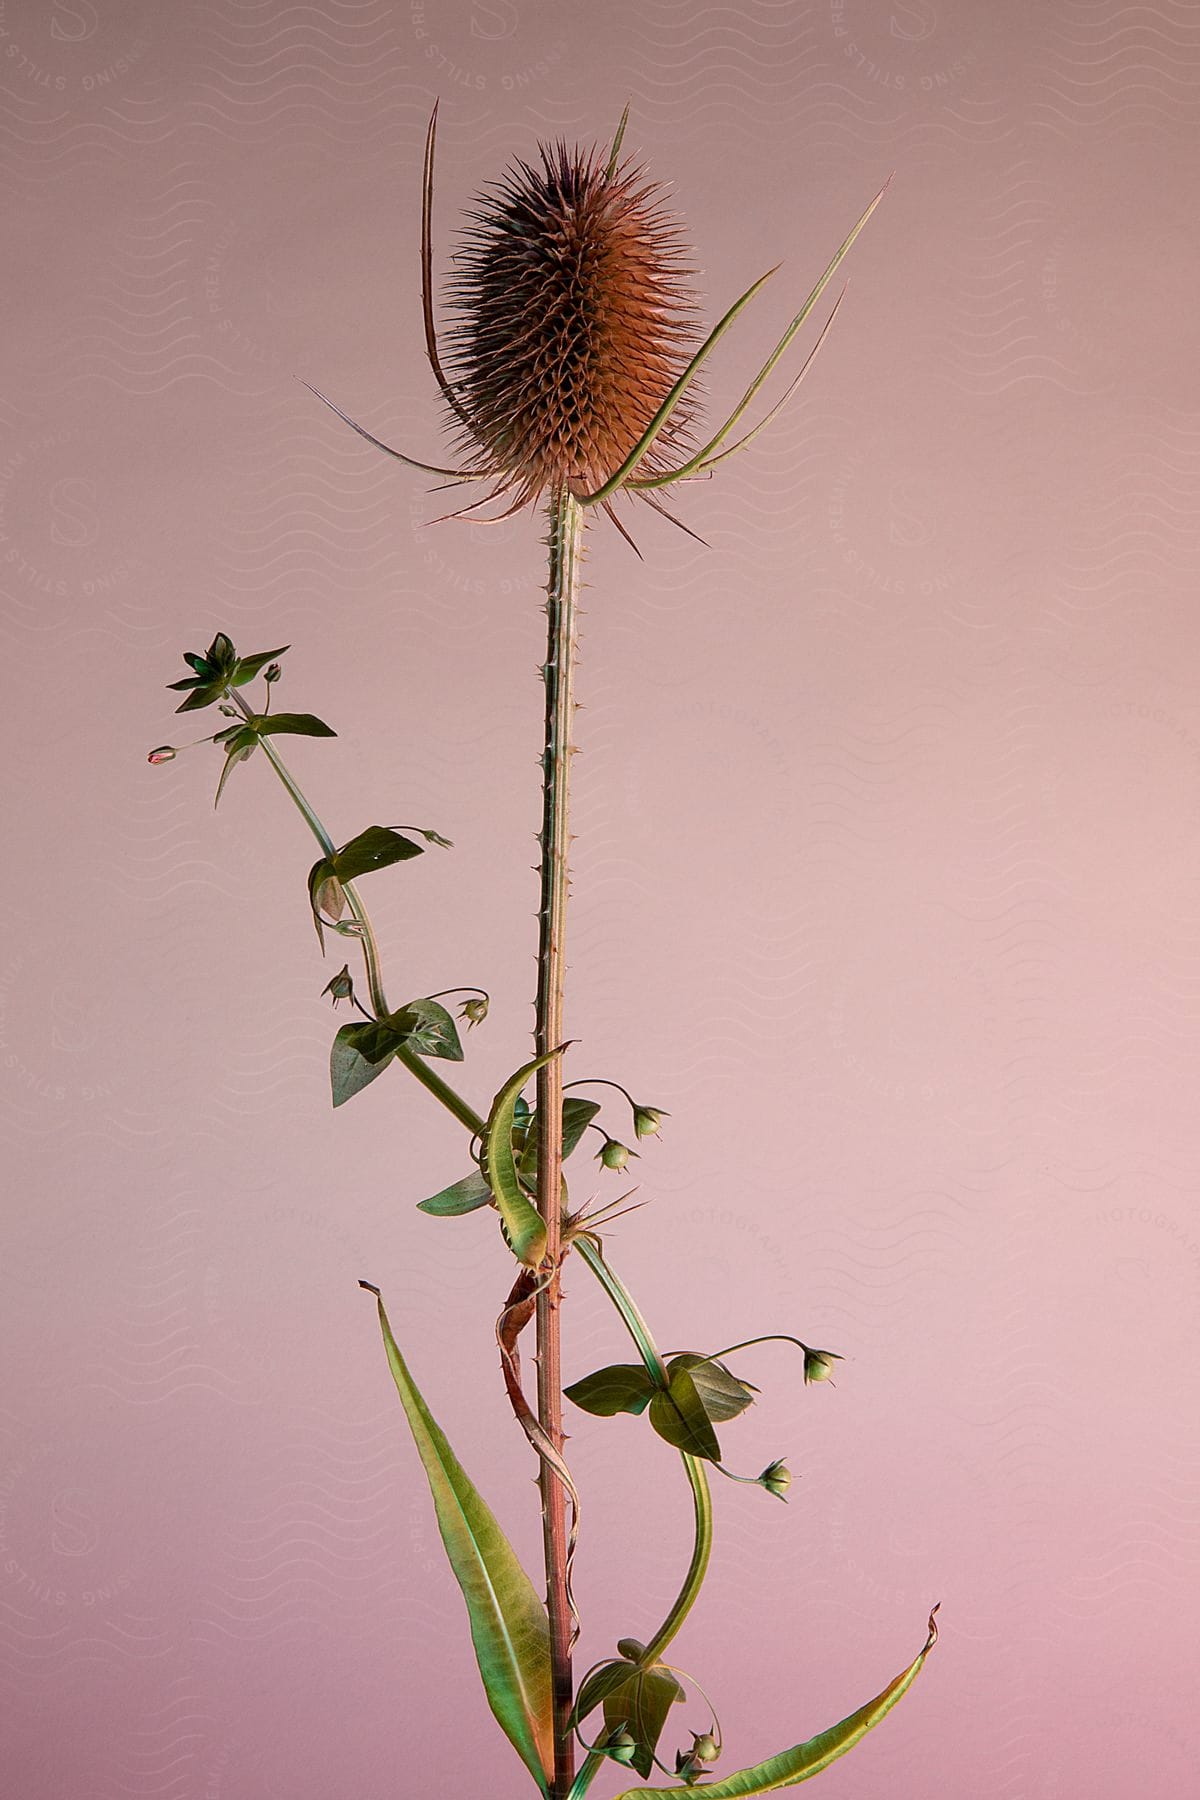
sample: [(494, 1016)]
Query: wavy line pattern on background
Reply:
[(886, 886)]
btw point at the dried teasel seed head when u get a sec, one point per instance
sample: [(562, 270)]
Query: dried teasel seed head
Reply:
[(571, 320)]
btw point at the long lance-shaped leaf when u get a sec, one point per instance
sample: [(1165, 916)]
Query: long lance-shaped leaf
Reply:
[(793, 1766), (767, 418), (524, 1226), (675, 394), (509, 1627), (702, 457)]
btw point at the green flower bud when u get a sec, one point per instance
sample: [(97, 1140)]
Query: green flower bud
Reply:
[(272, 672), (164, 753), (341, 987), (647, 1119), (777, 1479), (474, 1011), (818, 1364), (621, 1747), (705, 1749), (688, 1767), (614, 1155)]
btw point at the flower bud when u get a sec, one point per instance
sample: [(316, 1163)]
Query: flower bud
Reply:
[(647, 1119), (818, 1364), (272, 672), (777, 1479), (474, 1011), (614, 1155), (621, 1747), (688, 1767), (164, 753), (341, 987), (705, 1749)]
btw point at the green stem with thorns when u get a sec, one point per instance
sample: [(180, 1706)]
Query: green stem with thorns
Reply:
[(565, 542)]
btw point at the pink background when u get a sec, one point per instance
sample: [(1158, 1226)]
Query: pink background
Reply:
[(887, 887)]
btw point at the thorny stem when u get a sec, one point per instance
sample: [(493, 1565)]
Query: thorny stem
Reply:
[(565, 543)]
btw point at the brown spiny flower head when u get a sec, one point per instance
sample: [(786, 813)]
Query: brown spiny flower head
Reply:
[(572, 319)]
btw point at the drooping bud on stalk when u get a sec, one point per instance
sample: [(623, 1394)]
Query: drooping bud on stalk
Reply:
[(777, 1479), (474, 1011), (647, 1120), (164, 754), (341, 987), (818, 1364), (614, 1155)]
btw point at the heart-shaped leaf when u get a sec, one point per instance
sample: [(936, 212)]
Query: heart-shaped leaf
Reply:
[(465, 1196), (509, 1627), (721, 1394), (359, 1054), (621, 1388), (793, 1766), (641, 1705), (677, 1414)]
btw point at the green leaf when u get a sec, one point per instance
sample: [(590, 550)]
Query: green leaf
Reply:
[(621, 1388), (430, 1030), (677, 1414), (291, 725), (793, 1766), (600, 1683), (524, 1229), (641, 1705), (721, 1394), (357, 1057), (375, 848), (238, 746), (577, 1115), (465, 1196), (248, 666), (509, 1627)]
